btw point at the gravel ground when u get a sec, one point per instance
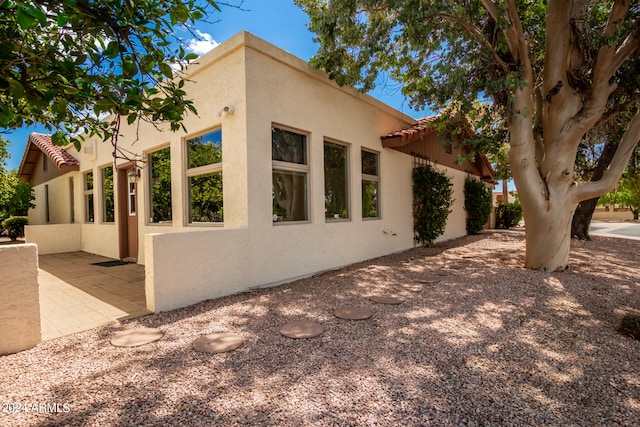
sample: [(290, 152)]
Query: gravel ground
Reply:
[(490, 343)]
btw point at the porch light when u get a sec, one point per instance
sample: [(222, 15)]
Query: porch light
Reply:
[(134, 175)]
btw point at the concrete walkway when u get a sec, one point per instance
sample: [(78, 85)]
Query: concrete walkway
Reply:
[(76, 294), (624, 230)]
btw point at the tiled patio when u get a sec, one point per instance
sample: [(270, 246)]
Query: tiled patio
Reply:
[(77, 295)]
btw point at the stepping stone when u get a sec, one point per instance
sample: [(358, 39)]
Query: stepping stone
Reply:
[(386, 299), (301, 329), (136, 337), (429, 281), (218, 343), (409, 287), (352, 313)]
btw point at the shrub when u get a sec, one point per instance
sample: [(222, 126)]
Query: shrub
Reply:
[(432, 191), (477, 203), (15, 226), (508, 215)]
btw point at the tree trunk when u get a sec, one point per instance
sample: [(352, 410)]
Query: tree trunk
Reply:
[(582, 218), (548, 238), (505, 191)]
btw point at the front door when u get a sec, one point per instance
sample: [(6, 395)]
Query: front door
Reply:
[(128, 214)]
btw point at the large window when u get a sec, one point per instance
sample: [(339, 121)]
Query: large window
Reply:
[(88, 197), (336, 181), (290, 175), (204, 177), (108, 200), (370, 184), (160, 186)]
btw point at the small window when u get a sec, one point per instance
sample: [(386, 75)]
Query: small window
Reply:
[(370, 184), (108, 199), (204, 178), (45, 163), (336, 181), (160, 186), (72, 210), (88, 197), (290, 176), (46, 204), (131, 203)]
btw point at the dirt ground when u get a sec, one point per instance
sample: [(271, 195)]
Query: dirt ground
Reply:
[(477, 340)]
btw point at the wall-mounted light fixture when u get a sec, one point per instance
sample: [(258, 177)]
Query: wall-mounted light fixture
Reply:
[(134, 175), (226, 111)]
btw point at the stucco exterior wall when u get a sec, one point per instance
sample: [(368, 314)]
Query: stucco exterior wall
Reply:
[(59, 201), (266, 87), (20, 304), (55, 238), (184, 268)]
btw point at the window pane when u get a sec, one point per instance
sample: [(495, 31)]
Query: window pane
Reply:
[(205, 193), (205, 149), (89, 216), (369, 199), (369, 163), (88, 181), (335, 181), (289, 196), (160, 182), (288, 146), (107, 194)]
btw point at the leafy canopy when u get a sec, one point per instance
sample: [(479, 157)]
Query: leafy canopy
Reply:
[(68, 64), (449, 54)]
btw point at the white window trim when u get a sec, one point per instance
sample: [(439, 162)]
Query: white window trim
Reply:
[(103, 201), (148, 204), (280, 166), (371, 178), (347, 179), (198, 171), (85, 194)]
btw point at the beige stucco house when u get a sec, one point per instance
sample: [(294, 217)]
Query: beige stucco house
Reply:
[(282, 174)]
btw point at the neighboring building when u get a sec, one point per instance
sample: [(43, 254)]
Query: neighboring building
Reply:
[(283, 174)]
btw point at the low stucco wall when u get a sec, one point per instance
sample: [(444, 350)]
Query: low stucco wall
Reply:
[(20, 303), (617, 216), (186, 268), (54, 238)]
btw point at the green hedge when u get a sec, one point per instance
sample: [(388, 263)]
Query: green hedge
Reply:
[(432, 191), (15, 226), (477, 203), (508, 215)]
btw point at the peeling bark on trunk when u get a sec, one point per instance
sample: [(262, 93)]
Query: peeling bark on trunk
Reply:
[(548, 239)]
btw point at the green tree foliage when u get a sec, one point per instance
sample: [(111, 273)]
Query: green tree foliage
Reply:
[(432, 199), (477, 203), (67, 64), (16, 195), (626, 195)]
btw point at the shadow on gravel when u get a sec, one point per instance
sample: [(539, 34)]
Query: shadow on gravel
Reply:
[(478, 341)]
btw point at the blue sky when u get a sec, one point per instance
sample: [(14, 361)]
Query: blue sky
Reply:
[(279, 22)]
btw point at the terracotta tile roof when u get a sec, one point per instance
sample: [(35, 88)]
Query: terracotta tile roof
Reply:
[(423, 126), (59, 156)]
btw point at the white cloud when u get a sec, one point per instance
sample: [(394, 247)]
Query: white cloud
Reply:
[(203, 44)]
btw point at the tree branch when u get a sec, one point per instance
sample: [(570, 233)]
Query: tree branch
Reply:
[(612, 175), (476, 33)]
